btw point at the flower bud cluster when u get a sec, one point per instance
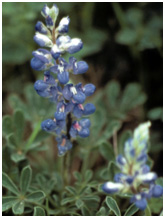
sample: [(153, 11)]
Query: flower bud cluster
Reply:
[(135, 176), (55, 85)]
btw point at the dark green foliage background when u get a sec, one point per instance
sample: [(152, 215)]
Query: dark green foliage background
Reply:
[(123, 47)]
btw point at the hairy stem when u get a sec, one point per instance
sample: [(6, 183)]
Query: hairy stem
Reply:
[(33, 135), (115, 143)]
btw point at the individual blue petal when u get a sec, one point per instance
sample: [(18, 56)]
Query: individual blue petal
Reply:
[(41, 28), (121, 160), (45, 11), (66, 92), (129, 179), (77, 111), (64, 25), (37, 64), (73, 132), (63, 77), (145, 169), (79, 97), (80, 67), (60, 116), (42, 40), (74, 45), (157, 191), (89, 89), (49, 79), (141, 204), (49, 22), (62, 40), (69, 107), (89, 109), (84, 132), (119, 177), (40, 85), (48, 125), (142, 158), (55, 52), (85, 123)]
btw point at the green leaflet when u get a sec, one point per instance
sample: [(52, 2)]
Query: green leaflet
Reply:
[(112, 204), (26, 176), (131, 210), (7, 202), (35, 196), (8, 183), (18, 208), (39, 211)]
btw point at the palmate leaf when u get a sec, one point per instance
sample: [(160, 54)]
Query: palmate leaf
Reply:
[(39, 211), (132, 97), (7, 202), (112, 204), (25, 180), (8, 183)]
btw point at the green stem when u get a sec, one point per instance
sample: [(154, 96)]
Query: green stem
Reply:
[(67, 168), (115, 143), (47, 206), (33, 135), (119, 14), (85, 163)]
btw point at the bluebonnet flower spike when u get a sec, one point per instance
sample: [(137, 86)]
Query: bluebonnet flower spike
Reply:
[(55, 85), (135, 174)]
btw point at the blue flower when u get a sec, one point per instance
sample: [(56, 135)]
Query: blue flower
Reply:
[(80, 128), (55, 52), (157, 191), (89, 89), (89, 108), (80, 67), (41, 28), (111, 188), (42, 40), (140, 201), (48, 125), (61, 71), (42, 59), (63, 145), (64, 25)]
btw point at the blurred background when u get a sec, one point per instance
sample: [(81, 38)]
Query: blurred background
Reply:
[(123, 47)]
